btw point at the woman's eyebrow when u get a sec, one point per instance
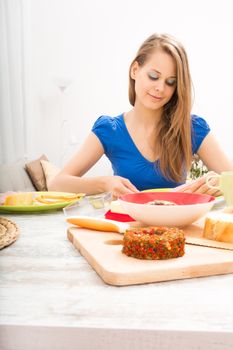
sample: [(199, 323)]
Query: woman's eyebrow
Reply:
[(156, 71)]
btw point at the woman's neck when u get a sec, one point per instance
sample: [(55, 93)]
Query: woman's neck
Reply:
[(142, 118), (142, 127)]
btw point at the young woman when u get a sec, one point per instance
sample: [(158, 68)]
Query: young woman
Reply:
[(152, 145)]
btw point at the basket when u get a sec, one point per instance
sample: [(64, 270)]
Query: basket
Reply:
[(9, 232)]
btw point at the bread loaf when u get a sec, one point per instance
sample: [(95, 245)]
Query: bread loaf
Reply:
[(219, 227)]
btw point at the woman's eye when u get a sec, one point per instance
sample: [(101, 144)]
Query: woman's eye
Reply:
[(171, 82), (153, 75)]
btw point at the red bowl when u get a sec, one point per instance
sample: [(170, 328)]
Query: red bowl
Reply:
[(190, 207), (180, 198)]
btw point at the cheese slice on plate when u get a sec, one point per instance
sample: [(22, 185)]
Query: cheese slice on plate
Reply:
[(17, 199)]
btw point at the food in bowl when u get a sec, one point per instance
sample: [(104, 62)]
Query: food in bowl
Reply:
[(189, 207), (161, 202), (154, 243)]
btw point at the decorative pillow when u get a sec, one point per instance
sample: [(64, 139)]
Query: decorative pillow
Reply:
[(36, 173), (50, 170)]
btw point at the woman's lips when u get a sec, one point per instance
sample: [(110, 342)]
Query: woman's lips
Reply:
[(157, 98)]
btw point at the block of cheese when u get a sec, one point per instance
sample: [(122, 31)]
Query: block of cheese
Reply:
[(23, 198), (219, 227), (115, 207)]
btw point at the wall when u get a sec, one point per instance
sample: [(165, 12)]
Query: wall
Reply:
[(93, 42)]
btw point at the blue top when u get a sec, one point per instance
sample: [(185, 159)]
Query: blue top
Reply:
[(126, 159)]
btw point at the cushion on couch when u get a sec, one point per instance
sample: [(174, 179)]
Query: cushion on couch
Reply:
[(13, 177), (36, 173), (50, 170)]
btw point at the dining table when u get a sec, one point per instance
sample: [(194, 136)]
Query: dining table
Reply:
[(51, 298)]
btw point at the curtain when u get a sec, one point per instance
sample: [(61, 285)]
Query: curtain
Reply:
[(12, 82)]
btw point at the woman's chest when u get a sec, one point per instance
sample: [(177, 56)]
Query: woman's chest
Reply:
[(146, 146)]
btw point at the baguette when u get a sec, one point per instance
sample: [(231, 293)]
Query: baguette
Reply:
[(219, 227)]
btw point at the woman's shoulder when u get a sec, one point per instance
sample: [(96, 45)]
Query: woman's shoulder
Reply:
[(199, 123), (106, 121), (106, 128), (200, 130)]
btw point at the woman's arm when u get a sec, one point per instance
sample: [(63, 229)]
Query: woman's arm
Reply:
[(216, 161), (70, 178), (213, 156)]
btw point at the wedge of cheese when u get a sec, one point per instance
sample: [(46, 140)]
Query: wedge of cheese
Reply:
[(23, 198), (98, 224), (219, 227), (115, 207)]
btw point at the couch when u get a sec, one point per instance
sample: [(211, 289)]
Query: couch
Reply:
[(29, 176)]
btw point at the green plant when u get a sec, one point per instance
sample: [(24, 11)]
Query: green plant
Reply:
[(198, 168)]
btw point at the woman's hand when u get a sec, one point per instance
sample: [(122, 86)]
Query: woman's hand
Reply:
[(200, 186), (118, 186)]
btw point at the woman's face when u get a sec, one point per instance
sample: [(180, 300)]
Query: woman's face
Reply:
[(155, 81)]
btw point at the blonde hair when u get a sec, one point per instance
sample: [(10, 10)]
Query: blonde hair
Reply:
[(174, 146)]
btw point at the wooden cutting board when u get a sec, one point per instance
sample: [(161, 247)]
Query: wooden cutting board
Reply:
[(103, 252)]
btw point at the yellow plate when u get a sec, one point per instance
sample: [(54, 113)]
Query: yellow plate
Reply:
[(40, 206)]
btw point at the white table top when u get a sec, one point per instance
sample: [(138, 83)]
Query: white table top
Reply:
[(49, 294)]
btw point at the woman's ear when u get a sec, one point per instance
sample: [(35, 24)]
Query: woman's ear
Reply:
[(134, 69)]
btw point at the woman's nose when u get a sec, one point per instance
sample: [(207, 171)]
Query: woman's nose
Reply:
[(159, 87)]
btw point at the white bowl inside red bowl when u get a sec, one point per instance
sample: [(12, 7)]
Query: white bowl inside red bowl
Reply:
[(189, 207)]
